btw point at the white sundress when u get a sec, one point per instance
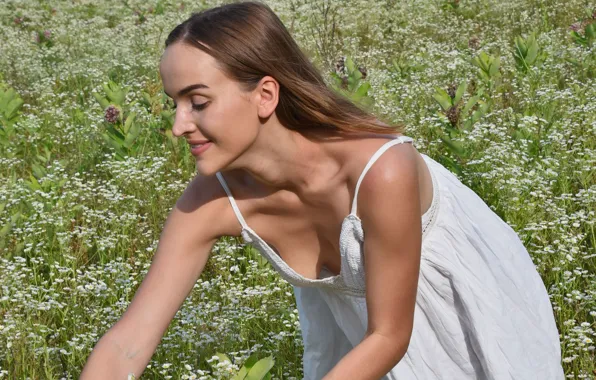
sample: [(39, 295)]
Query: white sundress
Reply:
[(482, 310)]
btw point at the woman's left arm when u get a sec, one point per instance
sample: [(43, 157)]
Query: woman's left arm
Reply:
[(389, 207)]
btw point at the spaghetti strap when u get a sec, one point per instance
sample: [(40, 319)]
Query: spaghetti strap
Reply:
[(232, 200), (378, 153), (381, 150)]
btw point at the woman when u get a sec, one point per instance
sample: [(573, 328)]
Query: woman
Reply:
[(399, 270)]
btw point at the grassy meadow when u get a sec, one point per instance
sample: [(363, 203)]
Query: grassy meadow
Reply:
[(501, 92)]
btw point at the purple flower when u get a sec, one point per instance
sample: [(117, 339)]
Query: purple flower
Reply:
[(47, 33), (575, 27), (111, 114)]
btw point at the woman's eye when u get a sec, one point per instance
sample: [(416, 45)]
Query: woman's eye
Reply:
[(199, 107)]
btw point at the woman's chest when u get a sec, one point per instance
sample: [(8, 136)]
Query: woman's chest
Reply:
[(302, 242)]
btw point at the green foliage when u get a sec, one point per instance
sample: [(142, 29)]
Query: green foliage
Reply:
[(352, 85), (114, 94), (43, 38), (39, 180), (159, 104), (453, 112), (122, 136), (253, 369), (458, 116), (10, 113), (8, 226), (121, 129), (587, 38), (403, 67), (586, 66), (10, 104), (527, 53), (450, 4), (583, 32), (445, 100), (488, 69)]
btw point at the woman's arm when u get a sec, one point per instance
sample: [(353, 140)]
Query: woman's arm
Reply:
[(184, 247), (389, 207)]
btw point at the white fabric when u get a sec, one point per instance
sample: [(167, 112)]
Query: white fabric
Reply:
[(482, 310)]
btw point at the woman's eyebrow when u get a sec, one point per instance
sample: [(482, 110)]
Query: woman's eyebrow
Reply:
[(188, 89)]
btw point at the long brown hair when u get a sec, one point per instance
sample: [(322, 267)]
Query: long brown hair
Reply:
[(249, 41)]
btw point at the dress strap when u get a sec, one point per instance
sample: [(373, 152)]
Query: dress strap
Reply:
[(232, 200), (378, 153)]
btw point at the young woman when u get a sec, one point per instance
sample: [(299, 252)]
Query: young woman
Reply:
[(399, 270)]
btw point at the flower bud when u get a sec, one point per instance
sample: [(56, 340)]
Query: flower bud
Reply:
[(111, 114)]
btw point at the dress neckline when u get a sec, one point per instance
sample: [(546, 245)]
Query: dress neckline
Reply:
[(334, 279)]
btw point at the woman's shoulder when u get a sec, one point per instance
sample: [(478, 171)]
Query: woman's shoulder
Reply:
[(204, 196)]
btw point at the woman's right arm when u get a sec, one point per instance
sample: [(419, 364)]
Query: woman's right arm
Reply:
[(191, 230)]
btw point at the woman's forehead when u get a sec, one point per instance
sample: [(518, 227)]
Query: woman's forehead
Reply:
[(181, 63)]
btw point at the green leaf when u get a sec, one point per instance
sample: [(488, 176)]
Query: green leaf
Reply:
[(33, 183), (481, 61), (7, 97), (241, 375), (134, 132), (520, 46), (494, 67), (103, 102), (223, 357), (454, 146), (352, 82), (113, 141), (476, 116), (13, 107), (114, 92), (469, 105), (532, 53), (260, 369), (145, 99), (251, 361), (591, 31), (357, 74), (6, 229), (129, 121), (115, 133), (443, 98), (363, 89), (349, 65), (38, 171), (460, 92)]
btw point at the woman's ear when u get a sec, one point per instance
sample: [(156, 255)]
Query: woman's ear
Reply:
[(267, 96)]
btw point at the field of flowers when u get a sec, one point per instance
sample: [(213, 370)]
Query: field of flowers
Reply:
[(502, 92)]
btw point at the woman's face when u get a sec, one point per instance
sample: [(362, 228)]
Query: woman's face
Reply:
[(209, 106)]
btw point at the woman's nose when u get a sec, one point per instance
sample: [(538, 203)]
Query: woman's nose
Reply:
[(182, 124)]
